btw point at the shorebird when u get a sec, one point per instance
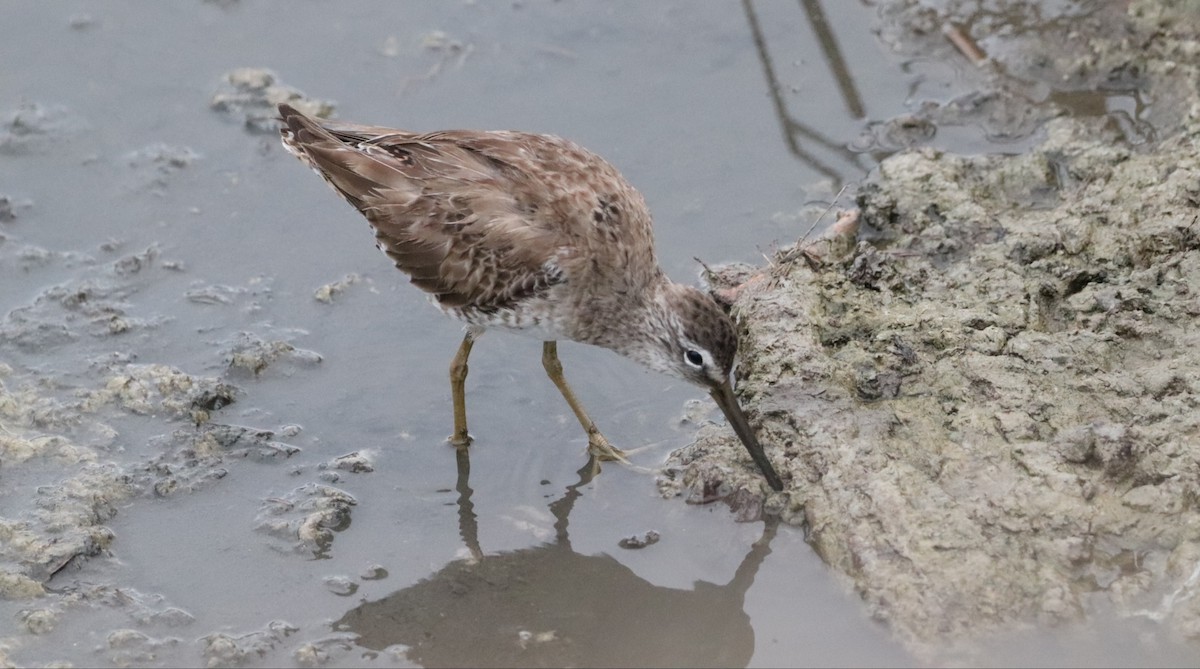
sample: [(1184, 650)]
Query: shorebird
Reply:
[(528, 233)]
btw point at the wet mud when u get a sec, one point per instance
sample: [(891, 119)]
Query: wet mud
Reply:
[(76, 409)]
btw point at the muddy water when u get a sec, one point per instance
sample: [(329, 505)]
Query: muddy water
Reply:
[(160, 267)]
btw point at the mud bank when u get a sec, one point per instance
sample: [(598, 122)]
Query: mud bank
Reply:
[(989, 407)]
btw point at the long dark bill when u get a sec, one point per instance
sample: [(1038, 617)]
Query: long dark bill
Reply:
[(723, 394)]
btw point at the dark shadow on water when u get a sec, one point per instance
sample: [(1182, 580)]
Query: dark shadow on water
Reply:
[(550, 606)]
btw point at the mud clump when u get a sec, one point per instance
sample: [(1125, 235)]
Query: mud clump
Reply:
[(991, 413), (34, 128), (252, 94), (988, 409), (306, 520)]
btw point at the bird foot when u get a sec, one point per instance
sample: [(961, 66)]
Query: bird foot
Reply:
[(603, 451)]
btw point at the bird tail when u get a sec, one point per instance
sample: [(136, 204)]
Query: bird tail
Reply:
[(336, 156), (297, 131)]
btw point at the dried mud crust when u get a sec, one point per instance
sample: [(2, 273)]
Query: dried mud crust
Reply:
[(991, 412)]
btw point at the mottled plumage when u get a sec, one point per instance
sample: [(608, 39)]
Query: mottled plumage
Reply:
[(525, 232)]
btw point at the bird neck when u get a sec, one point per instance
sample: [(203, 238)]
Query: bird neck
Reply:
[(648, 330)]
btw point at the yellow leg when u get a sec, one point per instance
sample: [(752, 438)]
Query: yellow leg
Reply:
[(458, 380), (597, 444)]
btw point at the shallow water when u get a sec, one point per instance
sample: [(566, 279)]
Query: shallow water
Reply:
[(731, 119)]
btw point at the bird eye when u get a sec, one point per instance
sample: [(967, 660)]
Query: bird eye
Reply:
[(694, 358)]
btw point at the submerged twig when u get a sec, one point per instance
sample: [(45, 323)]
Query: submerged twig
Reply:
[(965, 45)]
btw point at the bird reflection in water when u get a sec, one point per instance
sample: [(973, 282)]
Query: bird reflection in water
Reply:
[(550, 606)]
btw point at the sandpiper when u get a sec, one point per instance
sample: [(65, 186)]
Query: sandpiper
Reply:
[(529, 233)]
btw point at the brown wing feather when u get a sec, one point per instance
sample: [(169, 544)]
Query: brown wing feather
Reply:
[(446, 207)]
